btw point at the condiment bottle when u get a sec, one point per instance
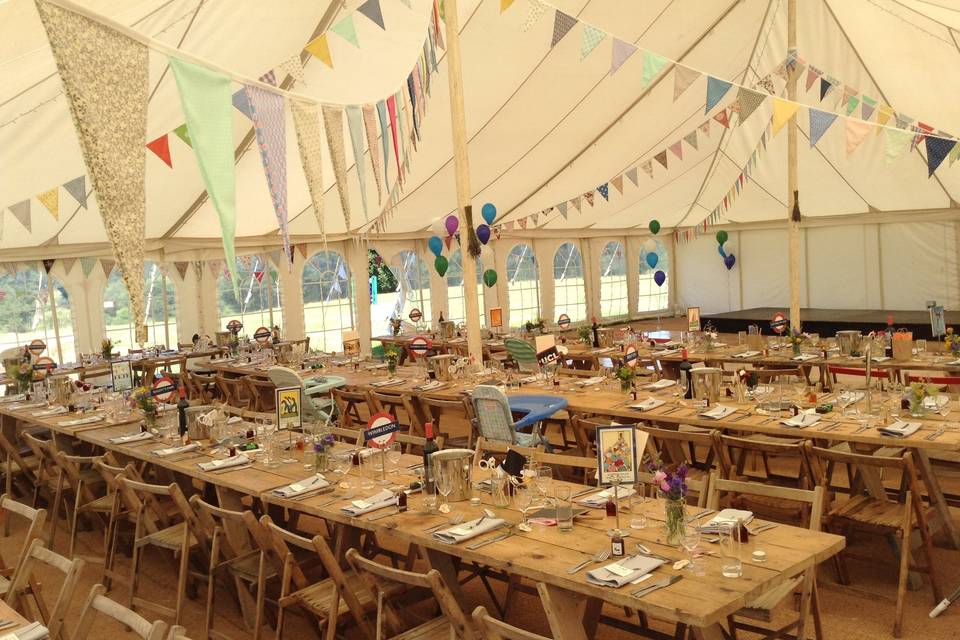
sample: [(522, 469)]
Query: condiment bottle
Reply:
[(616, 544)]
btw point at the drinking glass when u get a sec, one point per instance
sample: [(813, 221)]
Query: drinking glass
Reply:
[(731, 564), (340, 464), (638, 519), (741, 338), (543, 479), (564, 503), (394, 453), (275, 449), (523, 500), (689, 541), (921, 348), (366, 469), (444, 481)]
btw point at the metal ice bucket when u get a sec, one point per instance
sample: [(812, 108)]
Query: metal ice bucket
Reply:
[(706, 383), (458, 464), (850, 343)]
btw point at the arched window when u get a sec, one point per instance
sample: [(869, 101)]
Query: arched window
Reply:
[(613, 281), (160, 310), (259, 302), (569, 295), (26, 313), (456, 304), (413, 285), (651, 297), (328, 302), (523, 286)]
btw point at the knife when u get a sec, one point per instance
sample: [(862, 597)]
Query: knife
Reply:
[(482, 543), (666, 582)]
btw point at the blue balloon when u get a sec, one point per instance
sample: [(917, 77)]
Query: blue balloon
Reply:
[(722, 252), (436, 245), (652, 259), (489, 213), (483, 233), (730, 260), (659, 277)]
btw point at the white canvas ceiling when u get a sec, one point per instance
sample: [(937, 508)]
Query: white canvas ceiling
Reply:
[(543, 126)]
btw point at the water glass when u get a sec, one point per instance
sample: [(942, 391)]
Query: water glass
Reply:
[(690, 541), (731, 563), (921, 348), (366, 469), (564, 502)]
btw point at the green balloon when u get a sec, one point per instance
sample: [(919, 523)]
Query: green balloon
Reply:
[(722, 236), (489, 277), (441, 264), (654, 227)]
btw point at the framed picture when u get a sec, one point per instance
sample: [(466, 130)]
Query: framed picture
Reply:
[(351, 343), (693, 318), (289, 400), (121, 374), (617, 457), (496, 317)]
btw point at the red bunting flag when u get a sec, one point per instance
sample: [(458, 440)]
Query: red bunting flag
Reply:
[(161, 148), (723, 118), (258, 275)]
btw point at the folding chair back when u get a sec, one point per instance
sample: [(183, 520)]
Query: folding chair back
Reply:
[(490, 628), (523, 354), (493, 416), (21, 585), (99, 604)]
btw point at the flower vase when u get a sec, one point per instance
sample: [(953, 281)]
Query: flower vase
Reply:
[(916, 407), (796, 349), (392, 366), (321, 461), (675, 519), (150, 420), (106, 354), (625, 386)]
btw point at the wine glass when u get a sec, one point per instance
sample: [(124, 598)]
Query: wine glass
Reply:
[(689, 541), (444, 482), (394, 454), (524, 501), (542, 480), (340, 465)]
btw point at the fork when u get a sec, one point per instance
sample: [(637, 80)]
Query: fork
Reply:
[(599, 556), (666, 582), (936, 434), (457, 519)]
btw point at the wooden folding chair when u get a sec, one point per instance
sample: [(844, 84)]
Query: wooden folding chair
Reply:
[(489, 628), (99, 604), (83, 490), (233, 391), (441, 411), (17, 468), (875, 374), (874, 512), (34, 531), (400, 406), (762, 608), (22, 586), (262, 394), (48, 475), (348, 404), (206, 386)]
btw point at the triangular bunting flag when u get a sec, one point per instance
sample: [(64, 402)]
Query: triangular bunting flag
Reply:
[(242, 104), (161, 148), (355, 126), (333, 124), (522, 222), (820, 121), (21, 211), (647, 166), (51, 200), (825, 87), (852, 102), (604, 190), (448, 241), (505, 4), (749, 102), (269, 78), (588, 196), (107, 266), (184, 134), (293, 67), (67, 264), (258, 275), (87, 265), (275, 257), (632, 176), (371, 9), (903, 120), (661, 158), (537, 9), (48, 264), (590, 39), (621, 52), (562, 23), (716, 89), (576, 204), (937, 150), (896, 143), (384, 135), (691, 139), (856, 132), (683, 77), (723, 117), (319, 48), (370, 129), (562, 208), (347, 30), (77, 188), (617, 183), (782, 112), (509, 225), (812, 75), (677, 149), (181, 268), (884, 115), (705, 128), (867, 107), (306, 122), (534, 218), (652, 64)]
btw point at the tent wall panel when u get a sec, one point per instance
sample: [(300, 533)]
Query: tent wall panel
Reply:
[(839, 267), (919, 263), (703, 280)]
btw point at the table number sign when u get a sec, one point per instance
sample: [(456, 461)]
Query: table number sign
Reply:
[(419, 346), (37, 347), (415, 315), (381, 430), (563, 321), (779, 322), (121, 375), (262, 335), (546, 349), (617, 454), (164, 389), (234, 326), (351, 343), (289, 402), (693, 318), (631, 356), (496, 317)]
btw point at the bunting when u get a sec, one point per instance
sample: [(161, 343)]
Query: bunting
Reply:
[(370, 129), (782, 112), (319, 48), (292, 67), (87, 265), (355, 126), (856, 133), (347, 30), (604, 191), (562, 23), (107, 266), (77, 188), (647, 167), (723, 117), (652, 64), (161, 148), (184, 134), (181, 268), (242, 104), (371, 9), (621, 53), (333, 125), (617, 183), (631, 174), (662, 159), (749, 101), (691, 139), (21, 211), (306, 123), (51, 200), (716, 89), (269, 122), (937, 150), (820, 121), (589, 40), (683, 77), (67, 265), (677, 149)]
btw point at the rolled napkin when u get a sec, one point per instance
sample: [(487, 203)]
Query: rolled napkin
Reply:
[(624, 571), (171, 451), (598, 500), (528, 380), (132, 437), (46, 413), (33, 631), (718, 412), (810, 356), (590, 381), (647, 405), (467, 530), (378, 500), (668, 352), (760, 389), (81, 421), (313, 483), (900, 429), (726, 516), (430, 386), (801, 420), (746, 354), (224, 463), (27, 405), (20, 397), (387, 383), (660, 384), (876, 358)]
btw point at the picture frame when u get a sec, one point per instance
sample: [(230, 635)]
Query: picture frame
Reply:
[(496, 317), (289, 403), (617, 455), (693, 318), (121, 375), (351, 343)]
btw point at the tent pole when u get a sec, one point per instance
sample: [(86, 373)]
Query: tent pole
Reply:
[(793, 221), (462, 172), (56, 322)]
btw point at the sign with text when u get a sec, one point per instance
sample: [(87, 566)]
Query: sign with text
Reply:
[(381, 430), (617, 454), (262, 335), (121, 375), (415, 315), (420, 346), (351, 343), (496, 317), (289, 401), (164, 389), (44, 364), (693, 318), (779, 322), (631, 356), (563, 321), (37, 347), (234, 326), (546, 347)]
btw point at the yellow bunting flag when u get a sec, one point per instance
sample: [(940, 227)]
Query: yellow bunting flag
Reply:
[(320, 50), (505, 4), (782, 112), (51, 200)]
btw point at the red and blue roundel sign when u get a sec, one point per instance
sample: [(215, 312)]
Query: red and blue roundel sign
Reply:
[(44, 364), (415, 315), (779, 322), (631, 356), (262, 335), (420, 345), (234, 326), (563, 321), (381, 430), (37, 347), (164, 390)]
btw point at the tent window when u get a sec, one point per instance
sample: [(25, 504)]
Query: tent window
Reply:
[(413, 287), (523, 288), (159, 304), (651, 297), (456, 303), (613, 281), (568, 283), (328, 304), (259, 302), (26, 313)]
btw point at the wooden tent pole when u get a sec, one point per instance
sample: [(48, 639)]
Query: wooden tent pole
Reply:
[(793, 212), (51, 294), (461, 166)]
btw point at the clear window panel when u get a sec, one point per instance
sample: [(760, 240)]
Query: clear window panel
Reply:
[(569, 292), (27, 314), (118, 318), (258, 304), (456, 304), (523, 287), (651, 297), (329, 307), (613, 281)]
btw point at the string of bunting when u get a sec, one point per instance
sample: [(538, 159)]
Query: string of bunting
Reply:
[(50, 199)]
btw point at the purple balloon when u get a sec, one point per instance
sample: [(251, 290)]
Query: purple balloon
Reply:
[(452, 224), (730, 260), (483, 233), (659, 277)]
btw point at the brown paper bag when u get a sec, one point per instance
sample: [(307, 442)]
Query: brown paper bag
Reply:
[(903, 345)]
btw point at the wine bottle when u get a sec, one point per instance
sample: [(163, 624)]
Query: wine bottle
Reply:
[(685, 380)]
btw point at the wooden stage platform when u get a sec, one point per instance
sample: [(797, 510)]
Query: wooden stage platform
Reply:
[(827, 322)]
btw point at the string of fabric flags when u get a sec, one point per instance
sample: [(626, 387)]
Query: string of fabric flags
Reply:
[(87, 264), (50, 199)]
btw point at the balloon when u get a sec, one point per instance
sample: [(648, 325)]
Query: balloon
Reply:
[(652, 259), (452, 224), (722, 236), (489, 277), (441, 264), (722, 252), (730, 260), (650, 245), (654, 227), (659, 277), (483, 233), (436, 245), (489, 213)]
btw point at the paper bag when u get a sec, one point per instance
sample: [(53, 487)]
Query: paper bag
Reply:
[(903, 345)]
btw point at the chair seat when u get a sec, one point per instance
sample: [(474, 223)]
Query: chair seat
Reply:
[(30, 462), (867, 510), (882, 452), (4, 585), (103, 504), (761, 607), (169, 538), (763, 437), (318, 597), (436, 629)]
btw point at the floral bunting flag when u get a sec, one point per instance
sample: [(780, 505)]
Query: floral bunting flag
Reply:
[(677, 149), (589, 40), (333, 126), (392, 112), (106, 78), (683, 77), (647, 167), (621, 53), (856, 132), (355, 126), (588, 196), (723, 117), (937, 150), (161, 148), (604, 191), (382, 118), (562, 23), (617, 183), (370, 129), (306, 123), (77, 188), (51, 200), (631, 174), (749, 102), (293, 67)]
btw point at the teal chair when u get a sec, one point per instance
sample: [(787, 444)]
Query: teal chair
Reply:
[(523, 354), (318, 401)]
